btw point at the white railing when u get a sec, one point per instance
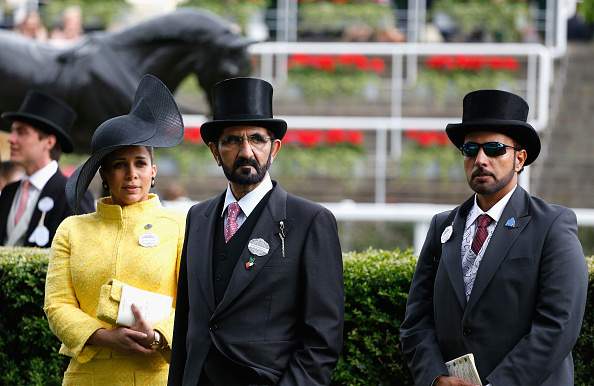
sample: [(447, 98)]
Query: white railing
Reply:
[(404, 58), (552, 22)]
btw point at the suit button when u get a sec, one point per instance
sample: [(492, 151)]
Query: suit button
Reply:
[(219, 278), (223, 257), (466, 331), (213, 327)]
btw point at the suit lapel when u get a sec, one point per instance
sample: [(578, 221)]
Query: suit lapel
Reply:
[(203, 243), (501, 242), (50, 189), (451, 252), (266, 228)]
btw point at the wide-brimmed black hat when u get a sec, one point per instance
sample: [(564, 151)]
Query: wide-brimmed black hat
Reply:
[(499, 111), (241, 102), (47, 113), (154, 120)]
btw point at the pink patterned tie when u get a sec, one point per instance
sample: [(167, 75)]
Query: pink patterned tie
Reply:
[(481, 233), (23, 202), (232, 212)]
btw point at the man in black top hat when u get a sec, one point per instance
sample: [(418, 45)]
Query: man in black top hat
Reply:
[(260, 293), (31, 209), (503, 276)]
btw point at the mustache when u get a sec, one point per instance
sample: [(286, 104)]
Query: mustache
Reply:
[(246, 162), (482, 171)]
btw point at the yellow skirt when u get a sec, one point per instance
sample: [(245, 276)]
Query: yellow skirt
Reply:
[(120, 370)]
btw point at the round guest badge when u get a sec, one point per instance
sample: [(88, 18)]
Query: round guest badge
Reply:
[(45, 204), (447, 233), (148, 239), (258, 247)]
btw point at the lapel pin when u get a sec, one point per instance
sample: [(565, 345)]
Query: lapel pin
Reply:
[(250, 263), (148, 226), (511, 223), (258, 247), (447, 233), (281, 234)]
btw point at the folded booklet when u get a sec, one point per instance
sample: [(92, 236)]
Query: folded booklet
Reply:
[(154, 307), (116, 299), (464, 368)]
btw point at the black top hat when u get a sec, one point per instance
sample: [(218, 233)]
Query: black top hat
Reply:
[(499, 111), (241, 102), (46, 113), (154, 120)]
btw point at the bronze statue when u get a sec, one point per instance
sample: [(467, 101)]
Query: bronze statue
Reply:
[(98, 75)]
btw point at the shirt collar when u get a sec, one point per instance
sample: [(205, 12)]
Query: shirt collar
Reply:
[(42, 176), (495, 212), (248, 202)]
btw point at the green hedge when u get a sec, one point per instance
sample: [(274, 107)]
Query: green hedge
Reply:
[(376, 288)]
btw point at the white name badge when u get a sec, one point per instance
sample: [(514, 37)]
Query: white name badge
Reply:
[(148, 239)]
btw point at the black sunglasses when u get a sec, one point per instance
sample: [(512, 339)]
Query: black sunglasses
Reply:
[(491, 149)]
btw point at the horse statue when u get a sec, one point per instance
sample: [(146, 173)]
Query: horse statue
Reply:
[(99, 74)]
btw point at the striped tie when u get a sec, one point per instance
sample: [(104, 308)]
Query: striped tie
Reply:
[(231, 227), (481, 233)]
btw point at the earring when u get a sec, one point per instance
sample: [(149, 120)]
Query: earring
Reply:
[(105, 185), (153, 182)]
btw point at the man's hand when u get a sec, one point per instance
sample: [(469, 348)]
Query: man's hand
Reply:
[(442, 380)]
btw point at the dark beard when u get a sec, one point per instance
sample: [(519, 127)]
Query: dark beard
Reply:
[(243, 176), (494, 187)]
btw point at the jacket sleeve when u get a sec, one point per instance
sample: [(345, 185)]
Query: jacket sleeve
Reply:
[(417, 332), (178, 342), (166, 326), (70, 324), (559, 309), (323, 314)]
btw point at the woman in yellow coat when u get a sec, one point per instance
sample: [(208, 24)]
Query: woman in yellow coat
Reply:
[(130, 239)]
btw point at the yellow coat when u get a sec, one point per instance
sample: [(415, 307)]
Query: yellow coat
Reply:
[(89, 250)]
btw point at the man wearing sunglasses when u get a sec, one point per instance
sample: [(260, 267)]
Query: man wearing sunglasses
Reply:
[(503, 276)]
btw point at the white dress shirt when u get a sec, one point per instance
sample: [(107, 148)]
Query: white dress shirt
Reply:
[(248, 202)]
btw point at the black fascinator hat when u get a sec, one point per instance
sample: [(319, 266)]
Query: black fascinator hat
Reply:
[(498, 111), (241, 102), (154, 120)]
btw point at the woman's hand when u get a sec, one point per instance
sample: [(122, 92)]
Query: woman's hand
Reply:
[(133, 340), (143, 326)]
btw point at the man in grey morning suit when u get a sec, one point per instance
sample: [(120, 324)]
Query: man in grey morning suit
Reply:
[(260, 293), (513, 294)]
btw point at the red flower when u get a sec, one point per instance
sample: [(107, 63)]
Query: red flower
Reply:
[(378, 65), (441, 62), (291, 137), (510, 63), (334, 136), (428, 137), (471, 63), (192, 135), (355, 137), (309, 138), (361, 62), (329, 63)]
